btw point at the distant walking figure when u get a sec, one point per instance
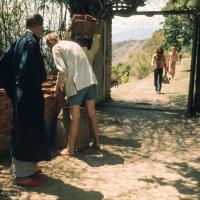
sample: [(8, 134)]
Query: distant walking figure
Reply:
[(180, 57), (158, 63), (172, 59)]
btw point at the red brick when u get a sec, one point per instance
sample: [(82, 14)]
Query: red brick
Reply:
[(52, 107)]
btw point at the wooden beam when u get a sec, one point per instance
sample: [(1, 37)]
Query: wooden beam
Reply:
[(152, 13)]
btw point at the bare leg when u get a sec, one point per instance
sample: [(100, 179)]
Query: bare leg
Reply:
[(90, 104), (174, 68), (73, 132)]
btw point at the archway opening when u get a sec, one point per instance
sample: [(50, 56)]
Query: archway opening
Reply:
[(132, 54)]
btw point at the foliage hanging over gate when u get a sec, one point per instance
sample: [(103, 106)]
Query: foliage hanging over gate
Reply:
[(178, 29)]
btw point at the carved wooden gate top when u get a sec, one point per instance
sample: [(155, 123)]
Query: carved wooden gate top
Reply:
[(108, 8)]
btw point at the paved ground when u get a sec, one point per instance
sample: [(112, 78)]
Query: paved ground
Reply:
[(146, 155)]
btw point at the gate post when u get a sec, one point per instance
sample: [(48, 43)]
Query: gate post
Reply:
[(108, 70), (190, 107), (197, 83)]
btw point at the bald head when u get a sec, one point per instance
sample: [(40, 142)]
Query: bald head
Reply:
[(52, 39)]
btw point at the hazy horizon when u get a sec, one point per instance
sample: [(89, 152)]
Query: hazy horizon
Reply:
[(133, 34), (138, 27)]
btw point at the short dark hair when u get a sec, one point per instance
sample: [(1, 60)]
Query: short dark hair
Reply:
[(34, 20), (82, 41)]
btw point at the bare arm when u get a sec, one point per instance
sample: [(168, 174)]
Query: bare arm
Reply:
[(153, 61), (62, 69)]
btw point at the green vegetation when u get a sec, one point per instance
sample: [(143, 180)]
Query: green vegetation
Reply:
[(178, 99), (178, 29), (120, 73), (10, 25), (142, 62), (139, 62), (12, 22)]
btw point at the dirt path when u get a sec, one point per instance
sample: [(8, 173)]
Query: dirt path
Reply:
[(146, 155), (142, 91)]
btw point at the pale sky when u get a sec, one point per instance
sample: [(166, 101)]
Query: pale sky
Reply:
[(138, 27)]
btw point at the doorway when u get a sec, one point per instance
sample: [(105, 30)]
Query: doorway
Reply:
[(139, 89)]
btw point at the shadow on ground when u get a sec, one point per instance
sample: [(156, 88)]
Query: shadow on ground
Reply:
[(64, 191), (173, 106), (124, 127), (114, 141), (168, 133), (183, 186), (98, 158), (133, 142)]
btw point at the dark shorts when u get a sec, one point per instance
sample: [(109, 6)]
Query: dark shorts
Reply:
[(85, 94)]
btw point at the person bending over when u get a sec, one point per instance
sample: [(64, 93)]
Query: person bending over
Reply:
[(76, 77)]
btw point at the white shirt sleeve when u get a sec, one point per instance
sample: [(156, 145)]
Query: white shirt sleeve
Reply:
[(60, 65)]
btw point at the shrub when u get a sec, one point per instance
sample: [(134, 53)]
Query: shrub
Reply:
[(120, 73)]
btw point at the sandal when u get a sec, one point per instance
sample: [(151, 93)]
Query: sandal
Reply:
[(39, 170)]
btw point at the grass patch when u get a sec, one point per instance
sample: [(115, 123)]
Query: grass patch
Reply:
[(179, 99)]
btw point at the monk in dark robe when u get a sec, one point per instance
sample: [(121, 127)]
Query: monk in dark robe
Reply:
[(29, 136)]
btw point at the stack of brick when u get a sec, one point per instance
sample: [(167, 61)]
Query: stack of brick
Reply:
[(6, 112), (52, 108)]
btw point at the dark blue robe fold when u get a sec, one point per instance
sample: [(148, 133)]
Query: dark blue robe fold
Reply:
[(29, 136)]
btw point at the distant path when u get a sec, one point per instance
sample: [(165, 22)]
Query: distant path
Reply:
[(142, 91)]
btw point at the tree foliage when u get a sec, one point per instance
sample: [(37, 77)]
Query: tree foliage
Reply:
[(178, 29), (12, 22)]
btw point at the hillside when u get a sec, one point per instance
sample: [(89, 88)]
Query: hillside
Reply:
[(142, 91), (122, 50), (132, 58)]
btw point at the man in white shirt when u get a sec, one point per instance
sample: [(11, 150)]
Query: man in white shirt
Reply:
[(76, 76)]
